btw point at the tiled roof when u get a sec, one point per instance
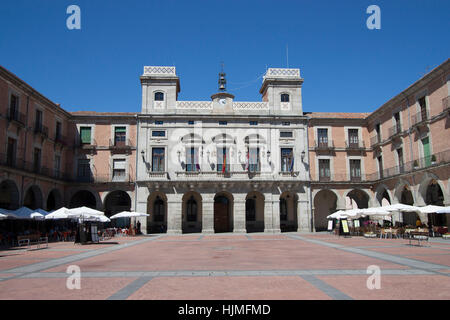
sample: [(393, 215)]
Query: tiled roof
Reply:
[(94, 113)]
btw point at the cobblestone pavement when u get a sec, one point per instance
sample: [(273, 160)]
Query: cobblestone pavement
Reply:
[(287, 266)]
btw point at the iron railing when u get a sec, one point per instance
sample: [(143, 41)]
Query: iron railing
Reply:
[(18, 117), (324, 144), (395, 130), (355, 145)]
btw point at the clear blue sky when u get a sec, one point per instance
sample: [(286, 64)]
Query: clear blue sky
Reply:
[(346, 67)]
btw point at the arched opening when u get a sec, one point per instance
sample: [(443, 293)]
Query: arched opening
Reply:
[(383, 197), (33, 198), (117, 201), (254, 212), (325, 203), (223, 217), (406, 197), (288, 212), (9, 195), (83, 198), (157, 210), (54, 200), (192, 212), (435, 196), (360, 198)]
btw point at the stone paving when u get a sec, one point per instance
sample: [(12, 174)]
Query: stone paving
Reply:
[(288, 266)]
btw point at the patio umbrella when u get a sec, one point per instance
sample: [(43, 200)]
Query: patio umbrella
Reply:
[(400, 207), (5, 214), (23, 213), (430, 209), (85, 210), (444, 210), (61, 213), (128, 214), (352, 214)]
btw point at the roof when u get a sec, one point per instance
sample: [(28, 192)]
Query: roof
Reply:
[(101, 114), (337, 115)]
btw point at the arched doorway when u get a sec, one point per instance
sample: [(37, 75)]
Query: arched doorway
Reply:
[(117, 201), (435, 196), (9, 195), (83, 198), (254, 212), (157, 210), (359, 197), (223, 221), (33, 198), (325, 203), (54, 200), (192, 213), (406, 197), (288, 212)]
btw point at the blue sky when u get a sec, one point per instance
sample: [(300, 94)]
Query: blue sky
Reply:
[(346, 66)]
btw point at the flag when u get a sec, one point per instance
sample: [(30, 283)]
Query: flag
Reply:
[(292, 165), (224, 164), (247, 161)]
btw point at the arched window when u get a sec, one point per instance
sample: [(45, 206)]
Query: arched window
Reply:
[(283, 210), (284, 97), (159, 96), (250, 210), (191, 210)]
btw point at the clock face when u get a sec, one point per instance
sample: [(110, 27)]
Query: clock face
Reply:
[(222, 101)]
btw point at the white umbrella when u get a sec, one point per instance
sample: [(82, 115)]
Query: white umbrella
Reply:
[(37, 216), (84, 211), (444, 210), (375, 212), (352, 214), (430, 209), (99, 218), (401, 207), (128, 214), (61, 213)]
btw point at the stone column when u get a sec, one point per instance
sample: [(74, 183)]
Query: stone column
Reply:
[(303, 216), (208, 214), (268, 214), (239, 213), (141, 206), (174, 214), (276, 213)]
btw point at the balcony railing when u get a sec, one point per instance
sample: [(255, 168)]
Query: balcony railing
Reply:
[(120, 145), (419, 118), (91, 145), (324, 145), (41, 129), (375, 140), (17, 117), (60, 139), (446, 104), (395, 131), (355, 145), (103, 178)]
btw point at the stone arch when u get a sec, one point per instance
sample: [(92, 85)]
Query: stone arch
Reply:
[(93, 192), (117, 201), (325, 203), (399, 188), (223, 212), (33, 198), (288, 211), (254, 211), (424, 185), (361, 197), (435, 196), (157, 210), (192, 212), (54, 200), (382, 192), (9, 195), (83, 198)]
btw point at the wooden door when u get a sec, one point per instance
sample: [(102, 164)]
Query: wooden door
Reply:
[(221, 219)]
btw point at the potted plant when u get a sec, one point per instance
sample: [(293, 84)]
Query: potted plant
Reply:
[(433, 159)]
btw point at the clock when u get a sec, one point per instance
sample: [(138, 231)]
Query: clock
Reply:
[(223, 101)]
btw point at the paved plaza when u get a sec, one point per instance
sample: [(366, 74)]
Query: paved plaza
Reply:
[(288, 266)]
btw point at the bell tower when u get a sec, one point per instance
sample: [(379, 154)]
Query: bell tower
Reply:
[(222, 100)]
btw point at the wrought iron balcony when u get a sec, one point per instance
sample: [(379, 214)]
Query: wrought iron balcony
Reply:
[(395, 131), (39, 128), (17, 117), (355, 145), (324, 145), (419, 118), (375, 140)]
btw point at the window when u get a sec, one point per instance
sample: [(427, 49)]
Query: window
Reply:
[(400, 160), (38, 122), (192, 164), (253, 123), (120, 134), (13, 106), (355, 169), (58, 131), (119, 169), (353, 137), (223, 160), (380, 166), (286, 134), (84, 169), (37, 160), (423, 108), (159, 96), (223, 123), (11, 152), (159, 122), (254, 160), (191, 122), (191, 210), (378, 131), (57, 166), (287, 160), (286, 123), (250, 210), (158, 133), (322, 135), (398, 126), (324, 170), (85, 135), (284, 97), (158, 159)]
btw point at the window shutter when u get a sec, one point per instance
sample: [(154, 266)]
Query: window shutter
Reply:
[(85, 135)]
